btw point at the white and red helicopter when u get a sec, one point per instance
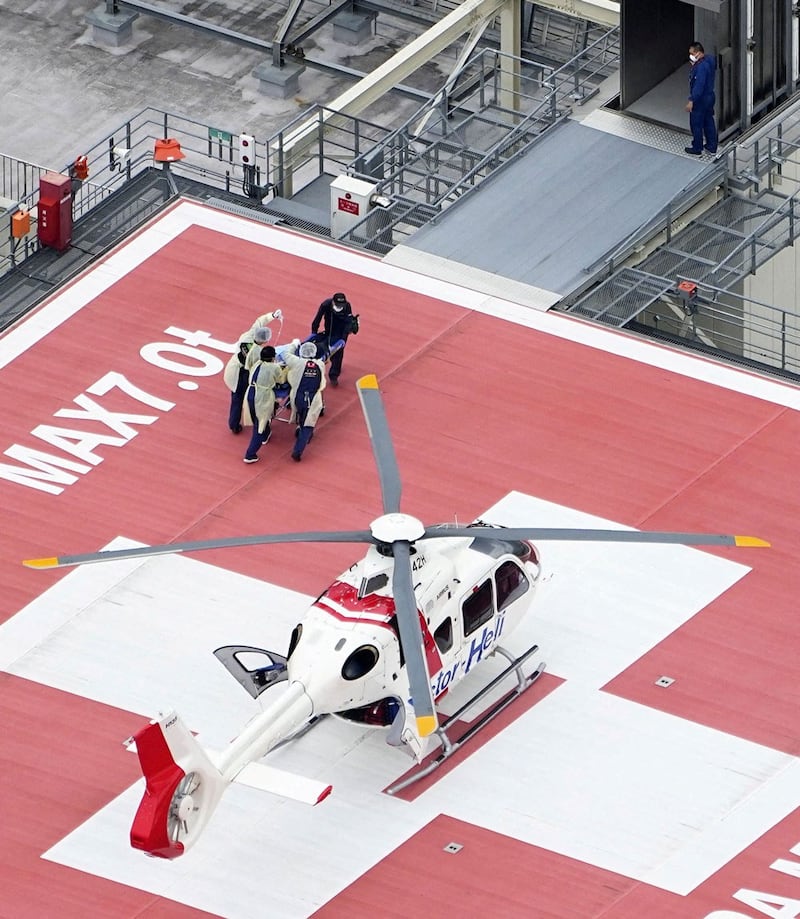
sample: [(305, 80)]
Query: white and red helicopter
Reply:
[(386, 640)]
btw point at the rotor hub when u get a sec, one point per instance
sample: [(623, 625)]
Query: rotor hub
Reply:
[(393, 527), (185, 807)]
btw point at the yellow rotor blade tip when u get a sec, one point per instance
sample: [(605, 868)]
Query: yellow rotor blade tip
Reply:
[(750, 541), (370, 381), (426, 725), (41, 562)]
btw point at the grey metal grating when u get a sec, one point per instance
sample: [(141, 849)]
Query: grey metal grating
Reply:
[(240, 210), (622, 297), (731, 240)]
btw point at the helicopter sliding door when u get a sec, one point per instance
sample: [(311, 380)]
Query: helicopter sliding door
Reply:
[(478, 608), (512, 584), (487, 604)]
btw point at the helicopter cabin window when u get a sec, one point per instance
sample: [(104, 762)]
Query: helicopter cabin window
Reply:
[(511, 584), (478, 607), (443, 636)]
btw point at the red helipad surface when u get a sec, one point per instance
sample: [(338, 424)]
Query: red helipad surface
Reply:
[(479, 406)]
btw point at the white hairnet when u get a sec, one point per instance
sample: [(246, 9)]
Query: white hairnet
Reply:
[(308, 349)]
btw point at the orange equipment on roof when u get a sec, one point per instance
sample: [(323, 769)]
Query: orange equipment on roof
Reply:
[(20, 223), (168, 150), (80, 168)]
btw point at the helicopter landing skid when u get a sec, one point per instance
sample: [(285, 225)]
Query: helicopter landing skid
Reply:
[(449, 747)]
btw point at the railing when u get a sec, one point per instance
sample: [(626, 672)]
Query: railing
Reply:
[(582, 72), (17, 178), (662, 222), (762, 151), (330, 143), (452, 144), (333, 144), (738, 326), (777, 231), (211, 156)]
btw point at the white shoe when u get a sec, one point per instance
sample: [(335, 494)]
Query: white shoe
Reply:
[(251, 459)]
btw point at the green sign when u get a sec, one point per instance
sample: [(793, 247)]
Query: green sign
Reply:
[(222, 136)]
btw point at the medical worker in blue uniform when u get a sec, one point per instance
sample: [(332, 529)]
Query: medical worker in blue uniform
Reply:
[(306, 373), (700, 106)]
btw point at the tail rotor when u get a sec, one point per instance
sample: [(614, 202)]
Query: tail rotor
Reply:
[(183, 811), (183, 788)]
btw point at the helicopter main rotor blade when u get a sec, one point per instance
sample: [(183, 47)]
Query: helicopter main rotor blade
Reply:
[(562, 534), (108, 555), (381, 440), (411, 639)]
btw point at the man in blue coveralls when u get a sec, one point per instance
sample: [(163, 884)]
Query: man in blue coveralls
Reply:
[(701, 100)]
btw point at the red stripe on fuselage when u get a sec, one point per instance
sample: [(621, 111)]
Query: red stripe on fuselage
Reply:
[(346, 596), (382, 608), (344, 617)]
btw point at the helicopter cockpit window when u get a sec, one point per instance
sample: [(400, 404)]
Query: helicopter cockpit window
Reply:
[(478, 607), (372, 585), (511, 584)]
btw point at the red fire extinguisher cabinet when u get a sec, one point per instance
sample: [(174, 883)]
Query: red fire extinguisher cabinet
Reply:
[(55, 210)]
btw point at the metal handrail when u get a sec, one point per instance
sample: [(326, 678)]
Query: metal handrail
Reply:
[(662, 220), (543, 112)]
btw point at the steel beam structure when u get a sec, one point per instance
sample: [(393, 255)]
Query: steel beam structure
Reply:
[(470, 15), (604, 12)]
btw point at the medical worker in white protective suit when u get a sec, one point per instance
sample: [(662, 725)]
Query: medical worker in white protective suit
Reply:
[(237, 370), (306, 375), (264, 376)]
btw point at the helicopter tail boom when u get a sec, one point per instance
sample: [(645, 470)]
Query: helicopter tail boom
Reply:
[(184, 782)]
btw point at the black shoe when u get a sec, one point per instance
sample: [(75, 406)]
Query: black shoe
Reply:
[(296, 457), (693, 151), (709, 150), (334, 381), (237, 429)]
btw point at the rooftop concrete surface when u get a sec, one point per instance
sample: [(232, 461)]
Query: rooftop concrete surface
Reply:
[(61, 92)]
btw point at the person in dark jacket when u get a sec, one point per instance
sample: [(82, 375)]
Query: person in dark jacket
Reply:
[(336, 316), (700, 106)]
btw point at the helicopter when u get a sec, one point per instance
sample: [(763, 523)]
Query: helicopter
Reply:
[(386, 641)]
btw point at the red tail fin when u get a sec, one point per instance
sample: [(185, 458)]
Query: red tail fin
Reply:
[(183, 788)]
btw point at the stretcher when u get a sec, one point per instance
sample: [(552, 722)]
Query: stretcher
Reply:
[(283, 395)]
